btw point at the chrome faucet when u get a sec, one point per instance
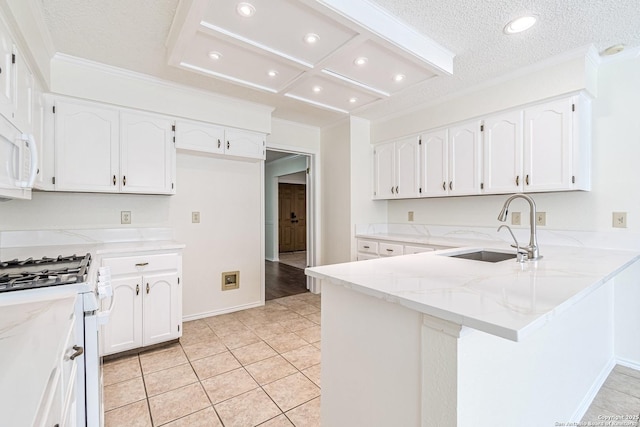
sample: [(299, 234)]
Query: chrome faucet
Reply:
[(532, 250), (521, 256)]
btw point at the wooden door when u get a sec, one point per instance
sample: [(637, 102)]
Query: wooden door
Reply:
[(292, 217)]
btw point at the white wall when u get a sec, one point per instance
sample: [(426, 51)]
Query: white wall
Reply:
[(616, 147), (336, 194), (272, 171)]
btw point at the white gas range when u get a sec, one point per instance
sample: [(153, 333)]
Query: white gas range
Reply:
[(47, 278)]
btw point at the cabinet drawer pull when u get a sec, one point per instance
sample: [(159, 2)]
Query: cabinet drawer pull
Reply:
[(392, 190), (396, 189), (366, 247), (526, 180), (138, 289), (218, 143), (389, 250), (114, 180), (518, 180), (228, 145), (142, 264), (444, 185), (450, 185), (124, 180), (147, 288), (79, 350)]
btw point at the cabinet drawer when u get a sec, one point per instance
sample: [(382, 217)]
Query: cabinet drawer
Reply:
[(416, 249), (142, 263), (368, 246), (390, 249), (363, 257)]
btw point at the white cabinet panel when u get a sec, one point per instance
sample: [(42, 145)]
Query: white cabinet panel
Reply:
[(464, 159), (411, 249), (147, 305), (198, 136), (435, 163), (146, 153), (397, 169), (86, 147), (245, 144), (502, 160), (390, 249), (7, 86), (23, 117), (548, 146)]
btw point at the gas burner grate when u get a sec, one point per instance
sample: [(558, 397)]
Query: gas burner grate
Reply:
[(30, 273)]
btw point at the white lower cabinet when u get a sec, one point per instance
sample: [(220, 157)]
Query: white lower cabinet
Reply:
[(371, 249), (147, 305)]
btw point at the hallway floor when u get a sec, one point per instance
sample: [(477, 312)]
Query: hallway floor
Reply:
[(254, 367)]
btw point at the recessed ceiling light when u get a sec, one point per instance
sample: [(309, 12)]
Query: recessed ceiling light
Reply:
[(272, 73), (612, 50), (215, 55), (353, 100), (311, 38), (317, 89), (520, 24), (245, 9), (361, 61), (398, 77)]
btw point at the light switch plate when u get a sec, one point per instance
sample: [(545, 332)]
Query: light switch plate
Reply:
[(410, 216), (515, 218), (619, 220), (541, 218)]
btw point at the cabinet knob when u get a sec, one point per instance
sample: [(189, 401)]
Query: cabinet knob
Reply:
[(137, 289), (78, 351), (228, 145), (124, 180), (114, 180), (147, 288)]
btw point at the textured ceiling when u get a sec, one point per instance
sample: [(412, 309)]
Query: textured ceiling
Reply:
[(132, 33)]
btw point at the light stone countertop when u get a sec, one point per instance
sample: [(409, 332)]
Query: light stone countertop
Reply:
[(27, 358), (506, 299)]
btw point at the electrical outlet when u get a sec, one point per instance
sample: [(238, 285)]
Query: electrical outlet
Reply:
[(410, 216), (619, 220), (515, 218), (195, 217), (541, 218), (125, 217)]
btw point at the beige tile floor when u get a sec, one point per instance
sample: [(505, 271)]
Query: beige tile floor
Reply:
[(255, 367)]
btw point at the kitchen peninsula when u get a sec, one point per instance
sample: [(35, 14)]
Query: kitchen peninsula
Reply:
[(432, 340)]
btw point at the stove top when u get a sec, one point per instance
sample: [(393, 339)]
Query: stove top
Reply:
[(37, 273)]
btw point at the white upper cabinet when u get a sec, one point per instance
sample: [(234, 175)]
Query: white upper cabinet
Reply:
[(397, 169), (146, 154), (23, 99), (100, 148), (86, 147), (245, 144), (502, 160), (548, 142), (7, 86), (435, 163), (464, 159), (227, 142)]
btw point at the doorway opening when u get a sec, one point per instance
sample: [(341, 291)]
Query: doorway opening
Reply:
[(288, 223)]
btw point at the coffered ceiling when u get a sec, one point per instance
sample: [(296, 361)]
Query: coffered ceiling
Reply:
[(439, 47)]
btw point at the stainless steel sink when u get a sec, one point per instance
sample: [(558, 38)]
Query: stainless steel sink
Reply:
[(485, 256)]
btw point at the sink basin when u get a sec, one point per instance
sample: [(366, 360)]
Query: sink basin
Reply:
[(486, 256)]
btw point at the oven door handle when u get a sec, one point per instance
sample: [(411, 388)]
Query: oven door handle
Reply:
[(103, 315)]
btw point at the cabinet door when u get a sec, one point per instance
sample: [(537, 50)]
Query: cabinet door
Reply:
[(24, 95), (464, 159), (245, 144), (146, 154), (502, 160), (407, 168), (161, 309), (86, 147), (548, 141), (7, 86), (383, 171), (435, 163), (124, 329), (200, 137)]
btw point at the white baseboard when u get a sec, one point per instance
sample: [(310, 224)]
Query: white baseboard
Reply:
[(633, 364), (593, 391), (222, 311)]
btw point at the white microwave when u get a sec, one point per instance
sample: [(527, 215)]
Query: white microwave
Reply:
[(18, 162)]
